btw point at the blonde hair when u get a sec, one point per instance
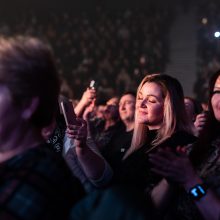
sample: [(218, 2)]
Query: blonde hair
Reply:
[(174, 115)]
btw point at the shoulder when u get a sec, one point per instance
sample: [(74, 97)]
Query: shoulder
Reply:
[(38, 178)]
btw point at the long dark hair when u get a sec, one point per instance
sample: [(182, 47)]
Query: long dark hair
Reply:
[(210, 131)]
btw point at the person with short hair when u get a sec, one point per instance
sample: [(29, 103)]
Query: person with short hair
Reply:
[(120, 143), (35, 183)]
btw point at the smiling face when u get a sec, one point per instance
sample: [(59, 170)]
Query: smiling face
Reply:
[(215, 100), (150, 105), (127, 107)]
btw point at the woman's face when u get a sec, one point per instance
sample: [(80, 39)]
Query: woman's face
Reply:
[(150, 105), (215, 101)]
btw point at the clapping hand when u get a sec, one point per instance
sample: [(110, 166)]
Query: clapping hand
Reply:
[(174, 166)]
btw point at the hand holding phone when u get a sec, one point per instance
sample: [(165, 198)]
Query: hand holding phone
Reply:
[(68, 112)]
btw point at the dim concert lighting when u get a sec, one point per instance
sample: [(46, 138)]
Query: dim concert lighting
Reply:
[(217, 34), (204, 20)]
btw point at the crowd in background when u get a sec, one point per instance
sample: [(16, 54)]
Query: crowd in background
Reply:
[(147, 153), (208, 51), (118, 47), (115, 48)]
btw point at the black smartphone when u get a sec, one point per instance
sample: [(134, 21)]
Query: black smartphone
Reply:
[(68, 112)]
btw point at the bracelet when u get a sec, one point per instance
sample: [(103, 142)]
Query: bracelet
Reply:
[(198, 191)]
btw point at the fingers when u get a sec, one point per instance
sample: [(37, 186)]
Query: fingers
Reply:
[(162, 158), (172, 166), (161, 166), (78, 122), (181, 151), (88, 96), (166, 153), (79, 131), (200, 120), (91, 93)]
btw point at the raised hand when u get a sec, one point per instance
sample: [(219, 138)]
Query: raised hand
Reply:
[(200, 121), (88, 96)]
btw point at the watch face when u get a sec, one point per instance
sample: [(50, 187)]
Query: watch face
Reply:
[(197, 192)]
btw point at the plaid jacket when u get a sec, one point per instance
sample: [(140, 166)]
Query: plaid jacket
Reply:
[(37, 185)]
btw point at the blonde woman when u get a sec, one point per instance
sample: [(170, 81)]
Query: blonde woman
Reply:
[(160, 121)]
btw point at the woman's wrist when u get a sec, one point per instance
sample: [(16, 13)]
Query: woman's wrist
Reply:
[(192, 181), (195, 188), (79, 144)]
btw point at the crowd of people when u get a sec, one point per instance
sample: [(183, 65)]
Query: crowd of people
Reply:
[(142, 156), (114, 47), (147, 153)]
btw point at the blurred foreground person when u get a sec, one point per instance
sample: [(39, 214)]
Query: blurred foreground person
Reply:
[(35, 183), (195, 180)]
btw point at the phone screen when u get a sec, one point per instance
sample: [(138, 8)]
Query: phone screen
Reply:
[(92, 84), (68, 112)]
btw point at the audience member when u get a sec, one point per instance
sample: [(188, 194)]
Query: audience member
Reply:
[(35, 183), (159, 120), (194, 178), (100, 131), (119, 144), (195, 114)]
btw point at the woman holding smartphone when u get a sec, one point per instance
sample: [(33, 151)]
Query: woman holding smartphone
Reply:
[(160, 119)]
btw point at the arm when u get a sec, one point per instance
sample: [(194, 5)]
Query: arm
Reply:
[(88, 96), (209, 205), (180, 170), (162, 194), (93, 164)]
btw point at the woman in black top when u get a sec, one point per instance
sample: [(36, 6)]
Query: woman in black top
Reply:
[(160, 120)]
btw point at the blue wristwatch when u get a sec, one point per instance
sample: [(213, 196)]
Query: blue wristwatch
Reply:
[(198, 191)]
